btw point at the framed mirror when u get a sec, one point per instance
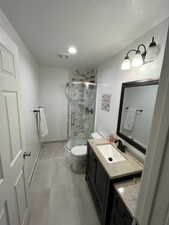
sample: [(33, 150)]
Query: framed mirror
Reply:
[(136, 112)]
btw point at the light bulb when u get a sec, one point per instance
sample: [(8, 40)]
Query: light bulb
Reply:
[(137, 59), (126, 64), (72, 50)]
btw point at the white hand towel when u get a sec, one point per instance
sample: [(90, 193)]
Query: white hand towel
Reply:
[(43, 128), (130, 119)]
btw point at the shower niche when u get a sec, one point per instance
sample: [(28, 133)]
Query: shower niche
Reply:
[(81, 111)]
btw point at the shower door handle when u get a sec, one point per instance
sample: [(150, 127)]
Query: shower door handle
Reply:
[(72, 119), (26, 154)]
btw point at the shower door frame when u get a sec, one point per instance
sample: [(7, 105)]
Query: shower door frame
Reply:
[(69, 113)]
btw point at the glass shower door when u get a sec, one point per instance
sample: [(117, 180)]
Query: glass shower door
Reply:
[(81, 112)]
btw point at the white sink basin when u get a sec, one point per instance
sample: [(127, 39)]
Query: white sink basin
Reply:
[(110, 153)]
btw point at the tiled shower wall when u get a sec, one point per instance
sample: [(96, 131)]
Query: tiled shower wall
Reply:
[(85, 76)]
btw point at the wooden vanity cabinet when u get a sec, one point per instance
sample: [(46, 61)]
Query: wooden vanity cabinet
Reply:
[(97, 180), (101, 180), (91, 166), (119, 214), (109, 206)]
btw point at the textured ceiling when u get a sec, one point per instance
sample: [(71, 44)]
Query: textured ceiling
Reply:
[(98, 28)]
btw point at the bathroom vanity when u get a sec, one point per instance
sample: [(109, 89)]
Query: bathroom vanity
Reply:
[(113, 176), (104, 179)]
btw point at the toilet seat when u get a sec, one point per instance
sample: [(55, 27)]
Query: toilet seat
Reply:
[(79, 150)]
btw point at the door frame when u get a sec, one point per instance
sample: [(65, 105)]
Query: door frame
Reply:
[(154, 190)]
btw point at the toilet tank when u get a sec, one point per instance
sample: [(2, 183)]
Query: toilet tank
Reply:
[(96, 135)]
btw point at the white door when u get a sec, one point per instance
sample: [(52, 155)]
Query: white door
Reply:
[(13, 194)]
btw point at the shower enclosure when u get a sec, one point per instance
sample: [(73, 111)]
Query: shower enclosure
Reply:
[(81, 114)]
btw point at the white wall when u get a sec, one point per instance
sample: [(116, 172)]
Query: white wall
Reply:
[(29, 85), (152, 204), (52, 97), (111, 77)]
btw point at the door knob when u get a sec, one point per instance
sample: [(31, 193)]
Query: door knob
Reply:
[(26, 154)]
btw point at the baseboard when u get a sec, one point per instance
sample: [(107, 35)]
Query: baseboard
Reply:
[(34, 167), (53, 141), (37, 158)]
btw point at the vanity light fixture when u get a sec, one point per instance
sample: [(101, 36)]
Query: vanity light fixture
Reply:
[(136, 60), (153, 49), (126, 65), (139, 56)]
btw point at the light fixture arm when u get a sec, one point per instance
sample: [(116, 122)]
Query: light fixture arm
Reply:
[(132, 50), (145, 50), (138, 49)]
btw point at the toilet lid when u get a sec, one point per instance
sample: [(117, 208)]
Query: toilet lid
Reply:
[(79, 150)]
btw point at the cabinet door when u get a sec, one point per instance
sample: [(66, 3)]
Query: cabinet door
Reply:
[(101, 183), (120, 214), (91, 170)]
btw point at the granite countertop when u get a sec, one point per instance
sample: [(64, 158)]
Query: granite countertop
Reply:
[(117, 169), (128, 191)]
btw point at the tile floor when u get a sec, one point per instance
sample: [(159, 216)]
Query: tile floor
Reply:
[(58, 196)]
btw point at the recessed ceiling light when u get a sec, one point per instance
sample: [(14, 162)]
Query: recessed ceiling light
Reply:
[(72, 50)]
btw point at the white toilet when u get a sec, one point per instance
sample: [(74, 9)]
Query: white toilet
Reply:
[(79, 154)]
